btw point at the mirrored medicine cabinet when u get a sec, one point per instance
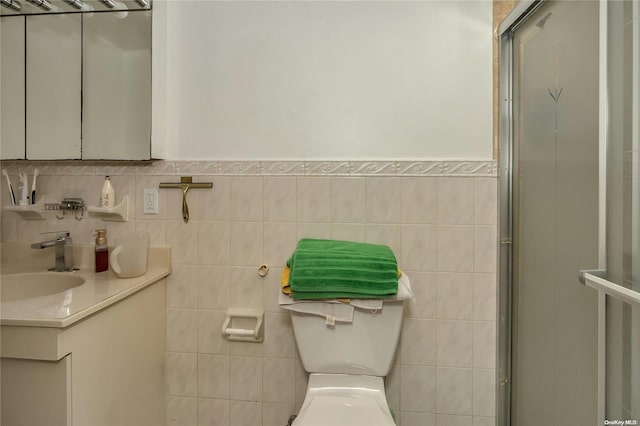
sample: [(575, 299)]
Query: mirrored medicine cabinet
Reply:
[(75, 80)]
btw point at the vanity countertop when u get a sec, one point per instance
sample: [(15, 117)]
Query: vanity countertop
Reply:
[(99, 290)]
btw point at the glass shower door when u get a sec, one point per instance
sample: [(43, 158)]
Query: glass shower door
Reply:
[(619, 280), (570, 199), (620, 378), (555, 226)]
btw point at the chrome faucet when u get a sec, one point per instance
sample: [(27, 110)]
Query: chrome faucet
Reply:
[(64, 250)]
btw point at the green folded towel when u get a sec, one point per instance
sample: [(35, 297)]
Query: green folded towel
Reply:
[(328, 269)]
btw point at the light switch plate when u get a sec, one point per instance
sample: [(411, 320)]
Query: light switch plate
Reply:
[(150, 201)]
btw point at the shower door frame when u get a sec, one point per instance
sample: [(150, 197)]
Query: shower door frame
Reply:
[(508, 168), (506, 218)]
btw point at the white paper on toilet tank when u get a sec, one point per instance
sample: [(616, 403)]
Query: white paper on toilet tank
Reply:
[(343, 312)]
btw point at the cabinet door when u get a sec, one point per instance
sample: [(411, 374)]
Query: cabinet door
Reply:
[(54, 79), (116, 115), (36, 392), (12, 87)]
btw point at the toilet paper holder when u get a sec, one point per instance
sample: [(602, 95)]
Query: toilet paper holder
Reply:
[(244, 325)]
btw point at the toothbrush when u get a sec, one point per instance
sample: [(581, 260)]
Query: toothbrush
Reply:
[(11, 193), (23, 190), (33, 187)]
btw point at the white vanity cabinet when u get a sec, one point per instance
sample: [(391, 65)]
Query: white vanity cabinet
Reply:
[(105, 369)]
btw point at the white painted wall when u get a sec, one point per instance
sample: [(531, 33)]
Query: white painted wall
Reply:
[(324, 80)]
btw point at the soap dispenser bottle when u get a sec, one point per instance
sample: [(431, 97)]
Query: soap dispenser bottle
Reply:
[(102, 251), (108, 194)]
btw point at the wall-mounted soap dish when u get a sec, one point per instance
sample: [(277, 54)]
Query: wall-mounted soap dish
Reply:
[(68, 204), (244, 325), (28, 212), (118, 213)]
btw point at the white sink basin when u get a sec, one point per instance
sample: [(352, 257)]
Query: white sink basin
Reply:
[(25, 286)]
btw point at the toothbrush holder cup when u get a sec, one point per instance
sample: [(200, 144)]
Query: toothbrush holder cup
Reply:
[(128, 259)]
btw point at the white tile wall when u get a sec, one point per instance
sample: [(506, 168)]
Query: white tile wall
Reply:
[(438, 217)]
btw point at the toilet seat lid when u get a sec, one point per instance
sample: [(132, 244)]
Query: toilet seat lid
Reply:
[(344, 410)]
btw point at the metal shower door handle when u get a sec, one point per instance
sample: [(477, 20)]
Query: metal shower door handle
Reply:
[(597, 279)]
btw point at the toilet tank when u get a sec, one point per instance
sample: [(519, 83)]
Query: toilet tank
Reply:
[(365, 346)]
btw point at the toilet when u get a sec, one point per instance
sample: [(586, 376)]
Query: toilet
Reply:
[(347, 362)]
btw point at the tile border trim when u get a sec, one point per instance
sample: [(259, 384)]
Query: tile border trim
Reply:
[(461, 168)]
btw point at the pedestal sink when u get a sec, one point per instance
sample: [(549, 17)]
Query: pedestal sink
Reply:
[(25, 286)]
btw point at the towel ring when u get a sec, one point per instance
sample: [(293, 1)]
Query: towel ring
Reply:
[(263, 270)]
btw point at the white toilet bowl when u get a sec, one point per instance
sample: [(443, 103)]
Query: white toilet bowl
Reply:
[(344, 400), (348, 363)]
